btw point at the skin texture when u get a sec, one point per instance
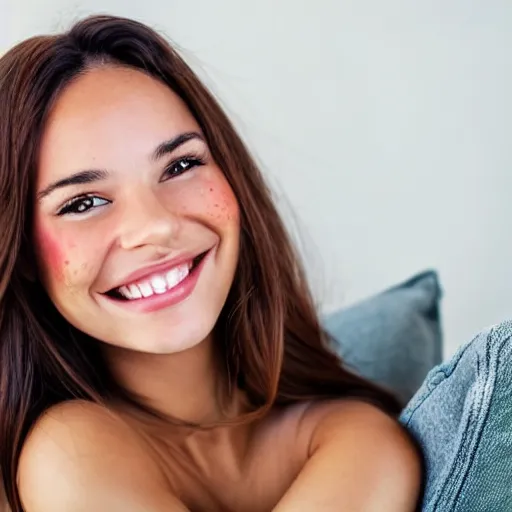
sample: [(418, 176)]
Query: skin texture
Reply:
[(322, 456), (113, 119), (106, 121)]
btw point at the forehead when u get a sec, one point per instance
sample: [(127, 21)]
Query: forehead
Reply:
[(107, 112)]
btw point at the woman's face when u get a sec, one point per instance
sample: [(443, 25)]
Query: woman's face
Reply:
[(136, 228)]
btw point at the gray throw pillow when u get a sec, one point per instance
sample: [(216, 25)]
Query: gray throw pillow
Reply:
[(393, 338)]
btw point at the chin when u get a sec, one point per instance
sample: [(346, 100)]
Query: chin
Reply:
[(165, 341)]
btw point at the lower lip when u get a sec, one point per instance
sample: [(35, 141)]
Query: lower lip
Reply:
[(164, 300)]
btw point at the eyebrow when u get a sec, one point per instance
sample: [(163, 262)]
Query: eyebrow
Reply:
[(93, 175), (79, 178), (174, 143)]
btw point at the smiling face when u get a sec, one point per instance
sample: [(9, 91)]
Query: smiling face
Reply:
[(136, 229)]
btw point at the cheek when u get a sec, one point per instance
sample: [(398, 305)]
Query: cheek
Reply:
[(59, 262), (222, 205), (219, 202), (209, 198), (50, 254)]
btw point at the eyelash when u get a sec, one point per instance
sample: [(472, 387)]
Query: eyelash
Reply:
[(72, 207), (191, 160), (176, 168)]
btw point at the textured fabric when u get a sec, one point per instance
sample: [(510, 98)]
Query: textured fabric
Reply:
[(393, 338), (462, 418)]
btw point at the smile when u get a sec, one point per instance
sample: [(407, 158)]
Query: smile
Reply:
[(157, 283), (162, 289)]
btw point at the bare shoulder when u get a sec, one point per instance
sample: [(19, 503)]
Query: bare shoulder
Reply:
[(344, 413), (81, 456), (365, 433), (358, 458), (364, 424)]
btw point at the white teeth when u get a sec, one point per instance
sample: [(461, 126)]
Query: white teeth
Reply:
[(176, 275), (159, 284), (134, 291), (156, 284), (145, 289), (173, 277), (125, 292)]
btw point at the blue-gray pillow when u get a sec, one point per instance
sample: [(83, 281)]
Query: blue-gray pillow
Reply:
[(393, 338), (462, 418)]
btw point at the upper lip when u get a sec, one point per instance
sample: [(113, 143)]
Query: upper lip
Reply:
[(159, 268)]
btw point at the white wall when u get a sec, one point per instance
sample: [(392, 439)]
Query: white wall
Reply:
[(386, 125)]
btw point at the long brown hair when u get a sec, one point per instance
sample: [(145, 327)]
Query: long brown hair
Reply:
[(269, 331)]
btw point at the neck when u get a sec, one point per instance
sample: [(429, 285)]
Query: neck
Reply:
[(190, 386)]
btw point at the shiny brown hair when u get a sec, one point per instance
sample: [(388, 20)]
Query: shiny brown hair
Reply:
[(268, 332)]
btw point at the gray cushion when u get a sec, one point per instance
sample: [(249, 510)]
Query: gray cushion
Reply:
[(393, 338)]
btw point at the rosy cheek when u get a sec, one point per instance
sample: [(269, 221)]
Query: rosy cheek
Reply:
[(222, 204), (51, 254), (207, 197)]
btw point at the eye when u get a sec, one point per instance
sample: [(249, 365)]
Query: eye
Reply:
[(82, 204), (181, 166)]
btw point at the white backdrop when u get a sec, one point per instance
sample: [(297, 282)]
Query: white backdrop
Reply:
[(384, 125)]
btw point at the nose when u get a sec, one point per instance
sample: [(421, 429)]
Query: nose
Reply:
[(147, 222)]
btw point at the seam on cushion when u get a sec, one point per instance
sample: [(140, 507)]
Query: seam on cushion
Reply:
[(435, 377), (472, 450), (448, 495)]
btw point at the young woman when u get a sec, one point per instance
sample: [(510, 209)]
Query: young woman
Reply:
[(159, 348)]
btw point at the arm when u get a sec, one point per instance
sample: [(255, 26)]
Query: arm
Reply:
[(80, 457), (360, 460)]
